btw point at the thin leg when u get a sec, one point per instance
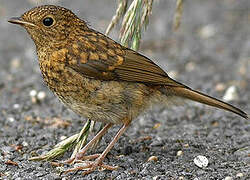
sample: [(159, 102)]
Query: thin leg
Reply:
[(91, 166), (112, 143), (83, 151)]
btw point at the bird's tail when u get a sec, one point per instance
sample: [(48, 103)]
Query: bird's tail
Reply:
[(188, 93)]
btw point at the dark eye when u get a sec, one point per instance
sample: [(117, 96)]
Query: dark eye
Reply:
[(48, 21)]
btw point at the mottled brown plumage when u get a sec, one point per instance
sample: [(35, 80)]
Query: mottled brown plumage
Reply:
[(97, 77)]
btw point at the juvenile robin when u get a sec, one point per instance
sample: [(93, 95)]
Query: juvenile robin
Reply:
[(97, 77)]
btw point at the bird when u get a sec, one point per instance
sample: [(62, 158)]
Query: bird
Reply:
[(98, 78)]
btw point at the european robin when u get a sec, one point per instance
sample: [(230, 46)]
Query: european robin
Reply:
[(99, 78)]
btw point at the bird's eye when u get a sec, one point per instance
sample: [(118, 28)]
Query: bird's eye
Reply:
[(48, 21)]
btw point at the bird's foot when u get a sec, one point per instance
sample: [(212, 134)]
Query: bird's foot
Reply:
[(90, 166), (80, 158)]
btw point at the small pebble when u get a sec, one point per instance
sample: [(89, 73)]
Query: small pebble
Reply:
[(155, 177), (41, 95), (37, 96), (16, 106), (239, 175), (179, 153), (186, 145), (220, 87), (15, 63), (190, 66), (120, 156), (11, 119), (231, 94), (207, 31), (157, 125), (33, 93), (201, 161), (153, 158), (25, 144), (28, 118), (215, 124), (228, 178)]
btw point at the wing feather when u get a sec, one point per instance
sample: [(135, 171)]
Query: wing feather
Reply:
[(117, 63)]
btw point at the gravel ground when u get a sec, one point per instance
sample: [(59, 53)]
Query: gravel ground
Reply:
[(210, 52)]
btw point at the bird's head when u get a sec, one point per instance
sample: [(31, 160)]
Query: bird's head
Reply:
[(49, 23)]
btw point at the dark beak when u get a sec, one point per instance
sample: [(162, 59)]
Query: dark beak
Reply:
[(20, 21)]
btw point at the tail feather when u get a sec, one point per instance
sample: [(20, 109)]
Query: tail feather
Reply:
[(203, 98)]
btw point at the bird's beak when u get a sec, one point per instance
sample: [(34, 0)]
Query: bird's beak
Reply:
[(20, 21)]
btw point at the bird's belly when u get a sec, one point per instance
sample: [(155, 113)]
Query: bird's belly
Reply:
[(105, 101)]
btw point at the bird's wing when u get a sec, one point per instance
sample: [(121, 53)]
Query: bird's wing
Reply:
[(99, 57)]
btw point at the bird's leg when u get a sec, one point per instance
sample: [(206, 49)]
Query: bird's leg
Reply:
[(80, 155), (92, 165)]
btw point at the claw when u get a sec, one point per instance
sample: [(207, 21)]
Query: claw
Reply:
[(80, 159), (88, 165), (91, 166)]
